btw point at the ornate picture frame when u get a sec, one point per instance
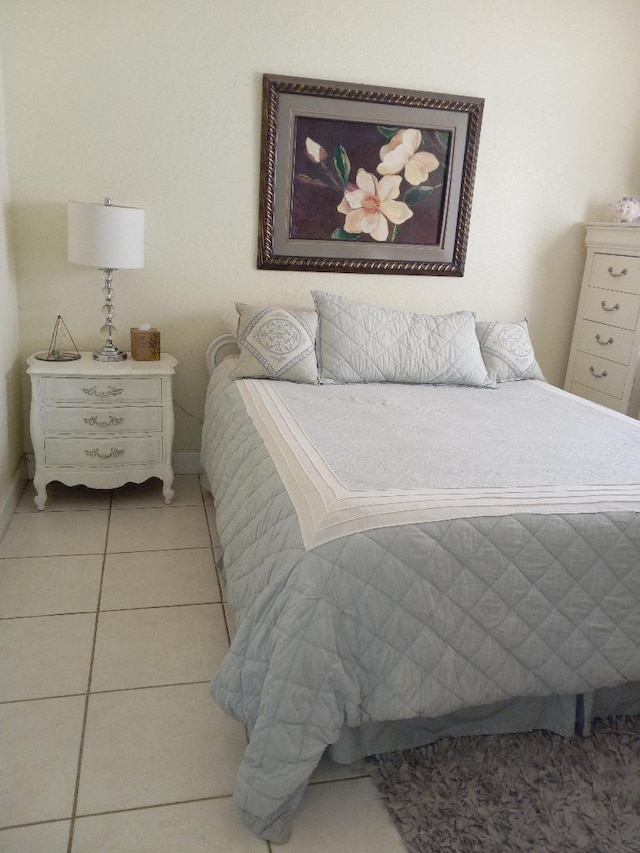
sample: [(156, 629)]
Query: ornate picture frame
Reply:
[(361, 179)]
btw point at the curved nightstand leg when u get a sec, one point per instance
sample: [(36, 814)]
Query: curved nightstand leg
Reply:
[(40, 486), (167, 491)]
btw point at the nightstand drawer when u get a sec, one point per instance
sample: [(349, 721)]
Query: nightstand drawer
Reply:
[(102, 452), (99, 421), (605, 341), (98, 390), (616, 273), (608, 377), (611, 308)]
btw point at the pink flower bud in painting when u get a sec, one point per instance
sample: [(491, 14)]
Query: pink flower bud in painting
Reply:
[(315, 152)]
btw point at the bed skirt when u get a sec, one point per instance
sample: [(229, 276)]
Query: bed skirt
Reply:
[(563, 715)]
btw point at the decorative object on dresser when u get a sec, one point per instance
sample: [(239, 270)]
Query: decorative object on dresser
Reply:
[(605, 351), (110, 238), (626, 209), (102, 424)]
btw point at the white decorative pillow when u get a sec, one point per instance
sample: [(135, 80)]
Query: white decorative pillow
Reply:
[(276, 343), (365, 343), (507, 351)]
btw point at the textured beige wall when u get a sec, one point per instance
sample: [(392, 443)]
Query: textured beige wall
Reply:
[(157, 103), (10, 363)]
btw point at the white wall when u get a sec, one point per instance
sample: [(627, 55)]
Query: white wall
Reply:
[(157, 103), (10, 363)]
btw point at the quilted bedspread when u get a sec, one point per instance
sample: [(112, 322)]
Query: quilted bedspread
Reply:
[(402, 620)]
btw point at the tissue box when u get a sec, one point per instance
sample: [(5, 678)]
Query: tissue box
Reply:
[(145, 344)]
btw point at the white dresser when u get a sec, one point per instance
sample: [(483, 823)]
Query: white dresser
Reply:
[(102, 424), (605, 350)]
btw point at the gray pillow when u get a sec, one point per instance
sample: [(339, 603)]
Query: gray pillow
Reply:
[(365, 343), (276, 343), (507, 351)]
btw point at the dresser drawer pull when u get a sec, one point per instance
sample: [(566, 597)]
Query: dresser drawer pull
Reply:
[(598, 339), (111, 391), (591, 371), (617, 274), (96, 453), (113, 421), (616, 307)]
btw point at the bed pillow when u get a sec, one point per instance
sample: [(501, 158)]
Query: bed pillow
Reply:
[(365, 343), (507, 351), (276, 343)]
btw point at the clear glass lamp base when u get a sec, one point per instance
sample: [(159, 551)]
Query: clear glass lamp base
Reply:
[(109, 353)]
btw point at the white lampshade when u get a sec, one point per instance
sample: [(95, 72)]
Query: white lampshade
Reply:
[(105, 235)]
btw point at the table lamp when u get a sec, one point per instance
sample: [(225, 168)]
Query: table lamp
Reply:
[(108, 237)]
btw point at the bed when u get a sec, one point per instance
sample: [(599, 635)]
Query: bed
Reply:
[(416, 544)]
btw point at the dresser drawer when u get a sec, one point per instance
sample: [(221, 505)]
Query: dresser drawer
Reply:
[(99, 421), (614, 403), (92, 390), (102, 452), (605, 341), (608, 377), (613, 309), (615, 272)]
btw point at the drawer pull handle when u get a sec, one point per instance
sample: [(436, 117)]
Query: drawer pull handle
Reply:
[(592, 372), (96, 453), (598, 339), (617, 274), (111, 391), (614, 308), (93, 421)]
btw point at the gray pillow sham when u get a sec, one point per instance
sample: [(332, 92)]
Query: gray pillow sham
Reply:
[(507, 350), (276, 343), (365, 343)]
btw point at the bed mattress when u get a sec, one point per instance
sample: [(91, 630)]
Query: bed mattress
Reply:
[(526, 584)]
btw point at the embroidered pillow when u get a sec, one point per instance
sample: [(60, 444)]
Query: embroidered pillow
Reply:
[(507, 351), (365, 343), (276, 343)]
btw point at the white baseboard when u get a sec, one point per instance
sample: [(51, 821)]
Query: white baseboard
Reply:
[(9, 502)]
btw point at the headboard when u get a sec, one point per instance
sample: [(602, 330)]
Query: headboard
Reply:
[(219, 349)]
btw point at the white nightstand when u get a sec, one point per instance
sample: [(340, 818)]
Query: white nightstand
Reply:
[(102, 424)]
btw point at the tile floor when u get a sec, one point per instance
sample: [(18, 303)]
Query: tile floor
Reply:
[(112, 621)]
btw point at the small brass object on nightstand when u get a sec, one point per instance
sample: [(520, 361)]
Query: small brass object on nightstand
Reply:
[(145, 344)]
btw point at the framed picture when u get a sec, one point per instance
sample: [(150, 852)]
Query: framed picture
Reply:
[(362, 179)]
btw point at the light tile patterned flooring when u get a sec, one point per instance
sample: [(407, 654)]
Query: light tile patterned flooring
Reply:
[(112, 621)]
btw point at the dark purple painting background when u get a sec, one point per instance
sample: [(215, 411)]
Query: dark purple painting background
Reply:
[(314, 214)]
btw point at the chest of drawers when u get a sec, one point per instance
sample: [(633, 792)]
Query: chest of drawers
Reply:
[(102, 424), (605, 350)]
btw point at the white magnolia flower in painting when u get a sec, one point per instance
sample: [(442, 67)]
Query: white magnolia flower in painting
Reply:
[(371, 206), (315, 151), (401, 152)]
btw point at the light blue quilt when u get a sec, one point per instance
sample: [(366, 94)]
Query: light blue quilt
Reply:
[(402, 620)]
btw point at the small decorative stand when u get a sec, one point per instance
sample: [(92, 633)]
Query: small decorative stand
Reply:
[(62, 346)]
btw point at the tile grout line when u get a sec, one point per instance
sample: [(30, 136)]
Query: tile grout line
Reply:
[(113, 609), (223, 602), (76, 792), (212, 798)]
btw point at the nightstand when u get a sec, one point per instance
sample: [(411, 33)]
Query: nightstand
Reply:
[(102, 424)]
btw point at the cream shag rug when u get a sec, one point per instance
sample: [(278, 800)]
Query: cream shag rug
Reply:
[(535, 792)]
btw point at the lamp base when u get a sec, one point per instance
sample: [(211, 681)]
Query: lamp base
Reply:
[(109, 353)]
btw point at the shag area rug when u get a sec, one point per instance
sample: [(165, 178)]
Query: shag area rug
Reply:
[(535, 792)]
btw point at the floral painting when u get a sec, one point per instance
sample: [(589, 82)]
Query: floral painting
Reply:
[(355, 181), (362, 179)]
